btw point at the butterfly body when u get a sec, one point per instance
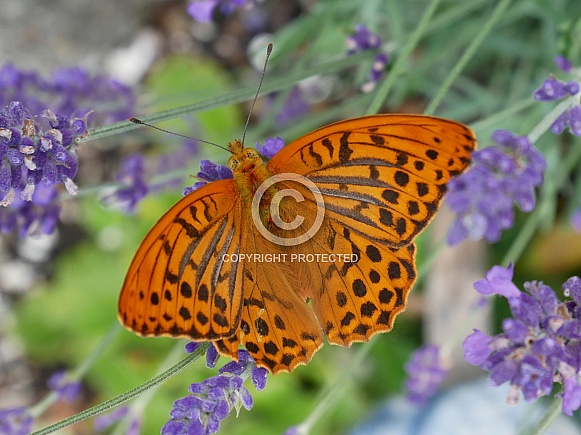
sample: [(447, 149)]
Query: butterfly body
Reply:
[(206, 272), (249, 173)]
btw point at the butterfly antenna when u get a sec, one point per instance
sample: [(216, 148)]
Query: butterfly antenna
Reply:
[(268, 51), (140, 122)]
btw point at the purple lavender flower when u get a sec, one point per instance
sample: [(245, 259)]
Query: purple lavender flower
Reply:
[(202, 10), (104, 421), (563, 63), (72, 92), (15, 421), (244, 364), (376, 72), (555, 89), (213, 399), (483, 196), (209, 171), (135, 170), (476, 347), (39, 127), (66, 389), (272, 145), (192, 346), (32, 162), (212, 357), (539, 345), (571, 118), (134, 185), (426, 372), (294, 106), (362, 39), (212, 354)]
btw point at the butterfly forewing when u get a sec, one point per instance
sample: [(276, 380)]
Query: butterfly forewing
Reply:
[(382, 176), (178, 283)]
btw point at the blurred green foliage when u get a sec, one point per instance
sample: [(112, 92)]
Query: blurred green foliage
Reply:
[(65, 318)]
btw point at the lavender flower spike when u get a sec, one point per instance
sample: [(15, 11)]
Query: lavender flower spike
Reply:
[(213, 399), (540, 344), (554, 89), (426, 372), (15, 421), (501, 176)]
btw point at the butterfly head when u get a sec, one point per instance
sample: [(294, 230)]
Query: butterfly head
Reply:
[(242, 159)]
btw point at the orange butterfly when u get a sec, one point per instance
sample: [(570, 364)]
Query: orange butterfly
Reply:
[(230, 262)]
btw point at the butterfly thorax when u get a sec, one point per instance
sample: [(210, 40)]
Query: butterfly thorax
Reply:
[(249, 173)]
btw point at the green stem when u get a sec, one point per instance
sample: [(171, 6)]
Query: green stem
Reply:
[(137, 407), (552, 413), (468, 54), (398, 66), (491, 121), (332, 394), (79, 372), (549, 119), (231, 97), (117, 400)]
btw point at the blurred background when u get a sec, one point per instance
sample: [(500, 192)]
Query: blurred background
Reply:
[(58, 291)]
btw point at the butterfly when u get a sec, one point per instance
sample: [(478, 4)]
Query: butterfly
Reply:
[(230, 262)]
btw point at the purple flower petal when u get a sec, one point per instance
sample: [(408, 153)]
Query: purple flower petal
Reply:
[(572, 288), (526, 309), (563, 63), (498, 281), (259, 376), (571, 396), (202, 10), (212, 357), (271, 147), (246, 398), (551, 89), (575, 120), (425, 374), (476, 347), (515, 330)]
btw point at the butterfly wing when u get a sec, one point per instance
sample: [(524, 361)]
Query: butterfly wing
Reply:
[(360, 296), (382, 179), (277, 328), (382, 176), (178, 283)]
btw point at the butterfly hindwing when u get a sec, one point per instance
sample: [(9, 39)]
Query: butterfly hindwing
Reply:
[(178, 283), (356, 285), (277, 328), (362, 296)]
